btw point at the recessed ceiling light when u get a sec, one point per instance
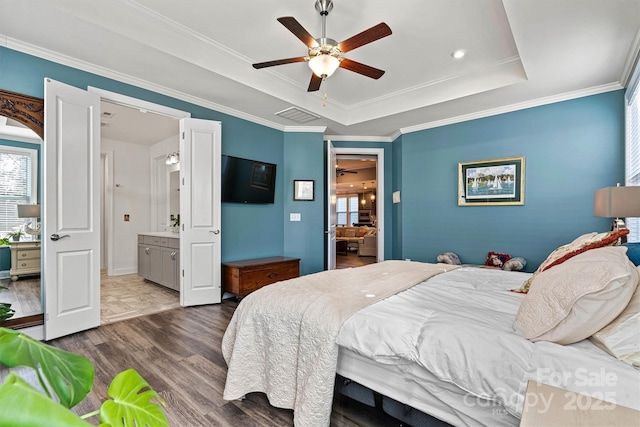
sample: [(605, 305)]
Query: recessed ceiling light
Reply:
[(458, 54)]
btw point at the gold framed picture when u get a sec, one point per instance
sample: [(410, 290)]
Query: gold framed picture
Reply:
[(491, 182)]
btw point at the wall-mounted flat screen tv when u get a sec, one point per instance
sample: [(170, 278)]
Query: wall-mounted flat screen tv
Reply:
[(247, 181)]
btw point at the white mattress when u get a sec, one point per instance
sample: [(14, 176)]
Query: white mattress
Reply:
[(453, 336)]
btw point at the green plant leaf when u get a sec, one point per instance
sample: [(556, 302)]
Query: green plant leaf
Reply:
[(68, 375), (6, 312), (23, 406), (132, 403)]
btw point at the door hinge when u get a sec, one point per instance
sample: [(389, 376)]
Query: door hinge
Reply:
[(182, 135), (182, 273)]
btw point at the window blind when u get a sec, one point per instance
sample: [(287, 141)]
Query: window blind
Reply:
[(632, 146), (16, 185)]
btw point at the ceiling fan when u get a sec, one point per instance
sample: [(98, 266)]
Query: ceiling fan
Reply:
[(325, 54), (342, 171)]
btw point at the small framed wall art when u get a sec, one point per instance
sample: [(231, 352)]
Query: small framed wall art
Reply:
[(303, 189), (491, 182)]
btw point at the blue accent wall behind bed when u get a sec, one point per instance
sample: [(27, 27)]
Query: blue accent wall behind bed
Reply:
[(571, 148)]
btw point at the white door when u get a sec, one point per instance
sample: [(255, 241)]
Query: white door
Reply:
[(200, 155), (332, 216), (71, 201)]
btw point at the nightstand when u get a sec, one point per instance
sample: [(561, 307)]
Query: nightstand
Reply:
[(549, 406), (25, 259)]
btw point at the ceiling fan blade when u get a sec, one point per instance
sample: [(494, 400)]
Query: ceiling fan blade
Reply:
[(314, 84), (360, 68), (367, 36), (298, 30), (279, 62)]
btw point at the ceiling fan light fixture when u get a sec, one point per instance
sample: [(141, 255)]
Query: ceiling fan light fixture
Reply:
[(458, 53), (324, 65)]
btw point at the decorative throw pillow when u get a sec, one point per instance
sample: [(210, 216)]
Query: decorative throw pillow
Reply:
[(350, 233), (633, 252), (515, 264), (362, 232), (621, 338), (338, 232), (577, 298), (494, 259), (579, 245), (448, 258)]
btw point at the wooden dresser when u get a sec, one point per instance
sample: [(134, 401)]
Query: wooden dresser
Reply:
[(243, 277), (25, 259)]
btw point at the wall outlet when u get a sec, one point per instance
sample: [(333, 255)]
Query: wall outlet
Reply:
[(295, 217)]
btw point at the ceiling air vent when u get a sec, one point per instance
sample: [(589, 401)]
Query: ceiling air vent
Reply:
[(297, 115)]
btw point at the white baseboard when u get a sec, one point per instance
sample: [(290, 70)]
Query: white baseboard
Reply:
[(4, 274), (123, 271)]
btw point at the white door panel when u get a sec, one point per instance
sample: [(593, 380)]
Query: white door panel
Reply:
[(332, 216), (200, 154), (71, 201)]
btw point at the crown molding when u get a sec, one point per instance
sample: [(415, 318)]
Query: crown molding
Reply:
[(309, 129), (515, 107), (58, 58), (356, 138)]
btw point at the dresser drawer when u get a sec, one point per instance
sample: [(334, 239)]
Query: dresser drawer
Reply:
[(28, 254), (28, 263), (244, 277)]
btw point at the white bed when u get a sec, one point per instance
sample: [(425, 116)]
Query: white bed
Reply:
[(446, 346)]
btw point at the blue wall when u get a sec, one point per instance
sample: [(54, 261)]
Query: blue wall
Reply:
[(396, 208), (305, 160), (571, 148), (248, 231)]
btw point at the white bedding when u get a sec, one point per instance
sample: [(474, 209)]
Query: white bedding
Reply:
[(281, 338), (458, 326)]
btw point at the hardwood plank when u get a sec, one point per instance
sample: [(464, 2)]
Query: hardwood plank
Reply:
[(178, 353)]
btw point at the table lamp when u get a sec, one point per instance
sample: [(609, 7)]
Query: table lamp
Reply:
[(30, 211), (617, 202)]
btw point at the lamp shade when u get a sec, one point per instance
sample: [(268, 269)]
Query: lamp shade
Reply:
[(28, 211), (617, 202), (324, 65)]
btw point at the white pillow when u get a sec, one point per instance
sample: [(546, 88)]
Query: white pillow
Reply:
[(621, 338), (577, 298)]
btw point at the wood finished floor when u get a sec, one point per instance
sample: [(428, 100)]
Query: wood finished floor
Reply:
[(121, 297), (178, 353), (351, 259), (23, 295)]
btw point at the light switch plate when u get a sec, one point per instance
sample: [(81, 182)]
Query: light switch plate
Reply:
[(294, 217)]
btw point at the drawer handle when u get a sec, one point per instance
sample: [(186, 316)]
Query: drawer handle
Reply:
[(24, 264), (23, 255), (272, 275)]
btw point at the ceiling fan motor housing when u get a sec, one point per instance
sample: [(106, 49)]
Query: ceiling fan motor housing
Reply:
[(324, 6)]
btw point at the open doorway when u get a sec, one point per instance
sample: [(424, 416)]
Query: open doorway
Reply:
[(135, 143), (359, 207)]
